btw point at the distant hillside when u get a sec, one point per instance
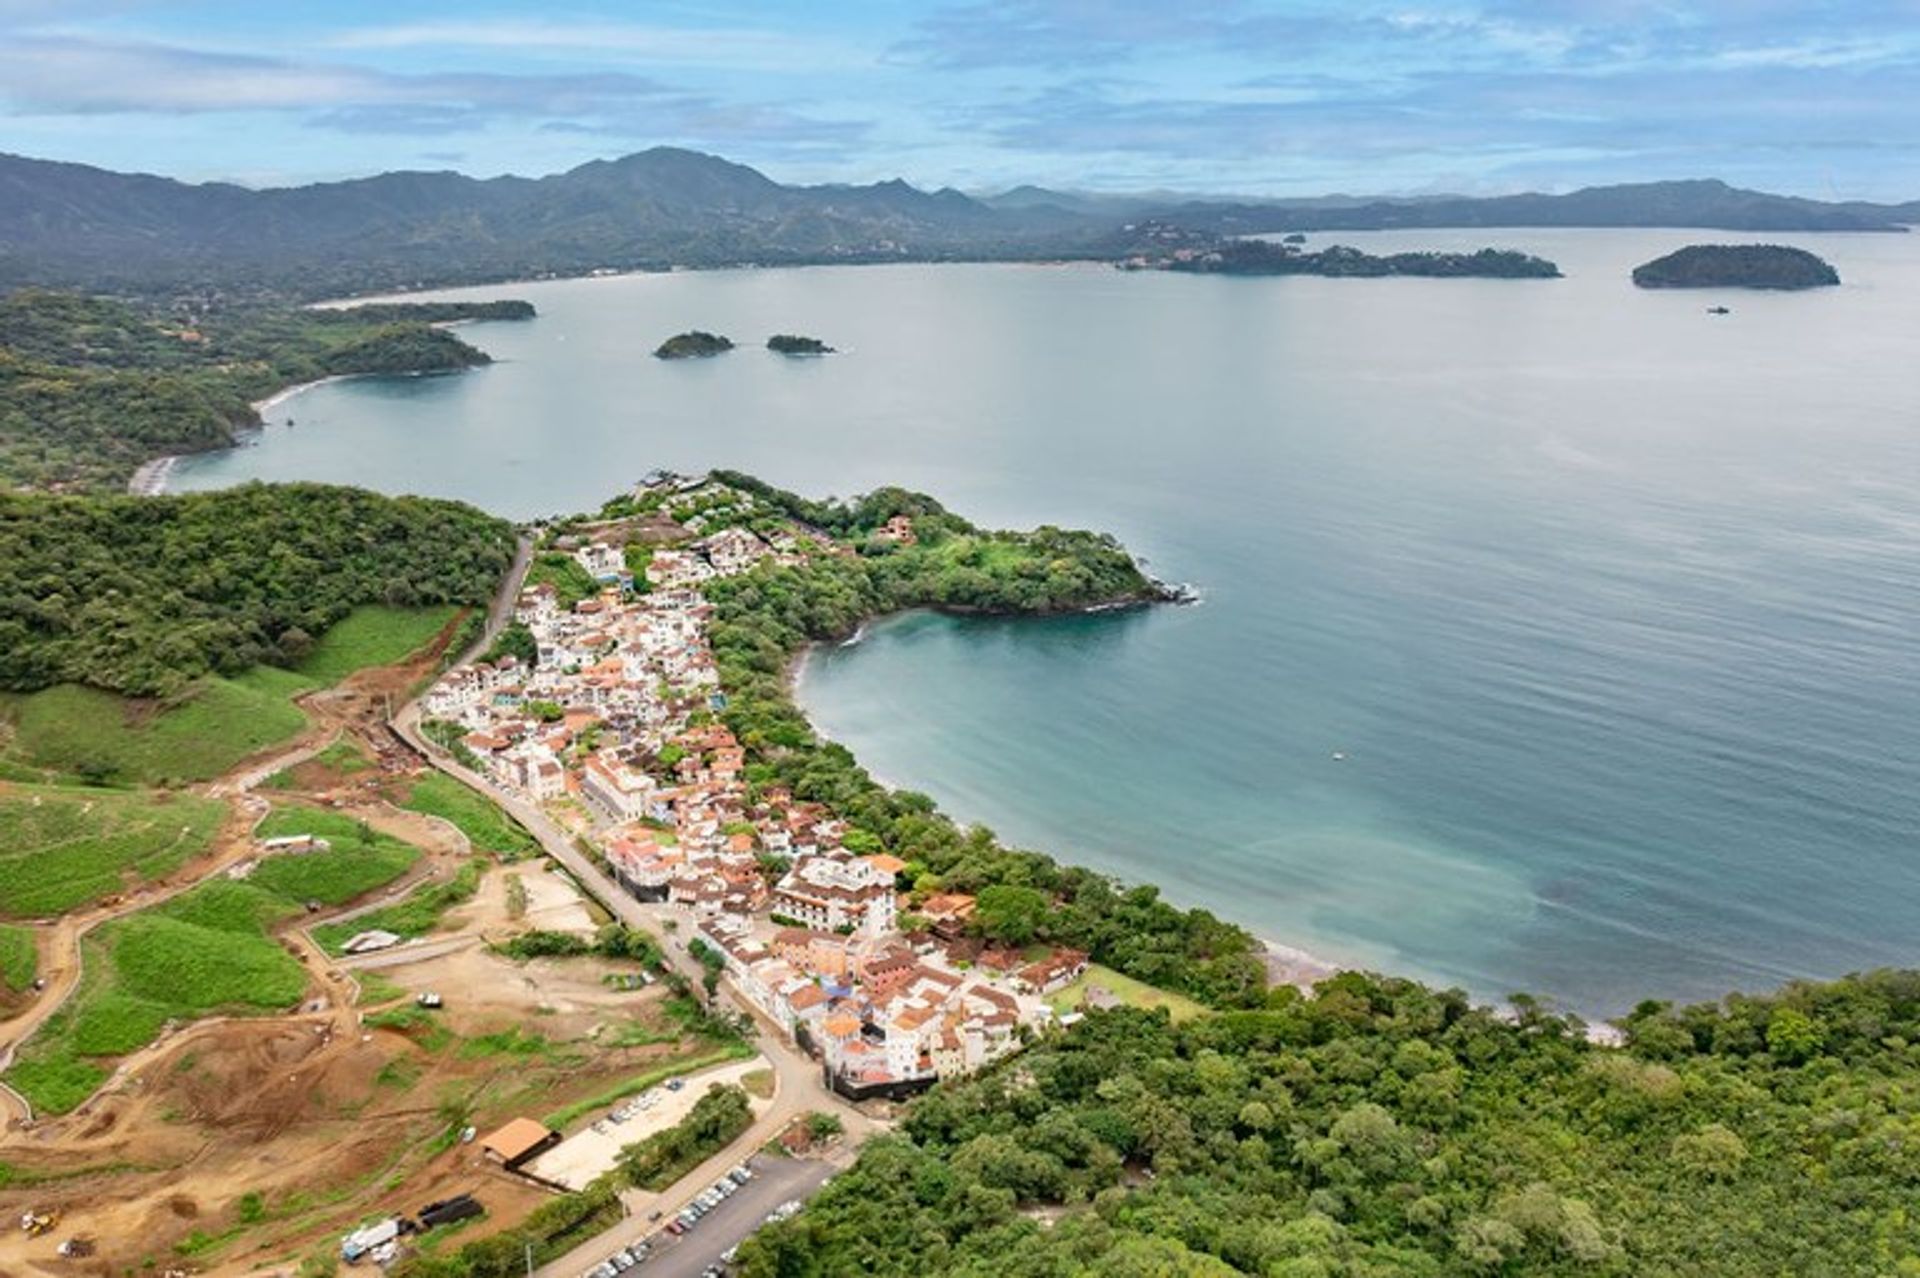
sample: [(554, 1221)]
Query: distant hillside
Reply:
[(75, 226), (1736, 266), (68, 224), (1701, 203)]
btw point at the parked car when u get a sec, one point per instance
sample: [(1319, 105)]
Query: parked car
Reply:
[(675, 1228)]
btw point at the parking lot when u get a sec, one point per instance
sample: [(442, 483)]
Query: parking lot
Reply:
[(595, 1150), (775, 1181)]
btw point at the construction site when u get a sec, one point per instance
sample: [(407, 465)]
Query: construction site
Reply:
[(256, 1142)]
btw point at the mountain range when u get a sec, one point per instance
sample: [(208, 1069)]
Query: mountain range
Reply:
[(72, 225)]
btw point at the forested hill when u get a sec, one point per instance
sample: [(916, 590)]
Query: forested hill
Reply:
[(142, 595), (1382, 1130), (91, 387), (74, 226), (1736, 266)]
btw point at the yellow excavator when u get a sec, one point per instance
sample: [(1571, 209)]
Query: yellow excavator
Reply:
[(38, 1222)]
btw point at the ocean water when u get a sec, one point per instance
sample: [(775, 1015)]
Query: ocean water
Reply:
[(1609, 604)]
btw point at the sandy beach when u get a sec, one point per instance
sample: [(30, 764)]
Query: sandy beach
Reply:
[(151, 479), (279, 397), (1289, 965)]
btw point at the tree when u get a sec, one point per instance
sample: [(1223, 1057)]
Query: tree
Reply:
[(1793, 1036), (1011, 915)]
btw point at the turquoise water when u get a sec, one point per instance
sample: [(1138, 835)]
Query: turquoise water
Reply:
[(1609, 604)]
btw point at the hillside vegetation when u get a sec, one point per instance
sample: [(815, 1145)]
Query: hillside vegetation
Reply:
[(1383, 1129), (91, 387), (144, 595)]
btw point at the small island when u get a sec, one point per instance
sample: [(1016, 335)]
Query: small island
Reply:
[(793, 344), (1773, 266), (693, 345)]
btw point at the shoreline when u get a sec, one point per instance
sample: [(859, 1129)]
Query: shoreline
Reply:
[(150, 478), (261, 407)]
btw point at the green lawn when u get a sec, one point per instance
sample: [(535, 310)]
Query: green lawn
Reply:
[(358, 862), (203, 952), (64, 847), (375, 635), (1127, 990), (415, 914), (206, 731), (19, 962), (485, 825)]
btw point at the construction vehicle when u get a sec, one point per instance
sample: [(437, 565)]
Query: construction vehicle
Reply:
[(38, 1222)]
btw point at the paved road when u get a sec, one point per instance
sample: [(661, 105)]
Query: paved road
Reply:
[(799, 1087), (775, 1181)]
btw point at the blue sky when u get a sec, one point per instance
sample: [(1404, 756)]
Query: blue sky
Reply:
[(1819, 99)]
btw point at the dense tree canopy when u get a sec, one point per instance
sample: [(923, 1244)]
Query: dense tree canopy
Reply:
[(143, 594), (1386, 1129), (1736, 266)]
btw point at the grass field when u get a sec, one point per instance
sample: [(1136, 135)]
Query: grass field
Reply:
[(375, 635), (360, 860), (73, 731), (203, 952), (84, 732), (416, 914), (62, 848), (485, 825), (19, 962), (1129, 991)]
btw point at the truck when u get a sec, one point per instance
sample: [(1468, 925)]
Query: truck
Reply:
[(362, 1242)]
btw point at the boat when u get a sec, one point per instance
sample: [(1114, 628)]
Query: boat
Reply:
[(1339, 756), (1719, 310)]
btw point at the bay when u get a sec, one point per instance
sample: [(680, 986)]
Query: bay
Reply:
[(1609, 604)]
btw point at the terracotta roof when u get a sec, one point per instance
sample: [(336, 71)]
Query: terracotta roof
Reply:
[(520, 1137)]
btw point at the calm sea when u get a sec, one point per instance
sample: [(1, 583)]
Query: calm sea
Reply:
[(1608, 604)]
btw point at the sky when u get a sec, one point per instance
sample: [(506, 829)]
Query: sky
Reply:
[(1221, 96)]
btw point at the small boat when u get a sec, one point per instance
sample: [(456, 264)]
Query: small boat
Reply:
[(1719, 310), (1339, 756)]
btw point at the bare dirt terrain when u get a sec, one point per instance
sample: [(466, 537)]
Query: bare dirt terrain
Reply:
[(248, 1144)]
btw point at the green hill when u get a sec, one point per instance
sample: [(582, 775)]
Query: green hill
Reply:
[(1773, 266)]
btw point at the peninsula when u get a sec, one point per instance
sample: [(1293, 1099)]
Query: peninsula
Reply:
[(94, 388), (1766, 266), (628, 715), (1198, 254), (694, 344)]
